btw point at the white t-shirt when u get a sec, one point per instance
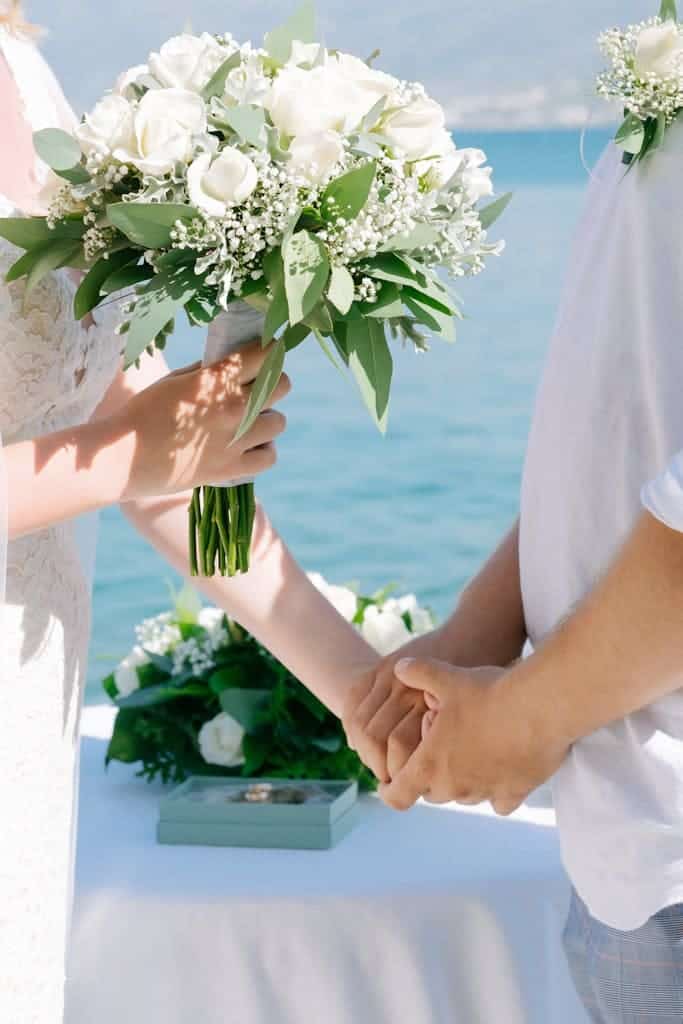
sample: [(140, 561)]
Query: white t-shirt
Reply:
[(609, 419)]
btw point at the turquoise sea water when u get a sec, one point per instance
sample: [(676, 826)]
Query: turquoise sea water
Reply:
[(425, 505)]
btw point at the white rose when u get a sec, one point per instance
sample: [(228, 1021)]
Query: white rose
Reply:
[(341, 598), (211, 618), (415, 130), (384, 630), (315, 156), (334, 96), (247, 85), (109, 127), (216, 184), (187, 62), (167, 122), (420, 619), (126, 676), (304, 53), (130, 77), (659, 50), (220, 741)]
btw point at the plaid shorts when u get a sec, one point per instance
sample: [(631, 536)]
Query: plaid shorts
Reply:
[(627, 977)]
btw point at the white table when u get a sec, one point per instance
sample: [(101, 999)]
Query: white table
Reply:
[(440, 916)]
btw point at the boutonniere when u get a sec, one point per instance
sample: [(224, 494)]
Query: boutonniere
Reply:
[(646, 75)]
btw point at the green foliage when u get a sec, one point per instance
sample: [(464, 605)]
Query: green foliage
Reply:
[(264, 386), (307, 270), (216, 84), (668, 10), (62, 153), (301, 26), (371, 364), (156, 306), (89, 293), (491, 213), (347, 195), (290, 734), (148, 224)]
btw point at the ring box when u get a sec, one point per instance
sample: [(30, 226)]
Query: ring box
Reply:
[(261, 813)]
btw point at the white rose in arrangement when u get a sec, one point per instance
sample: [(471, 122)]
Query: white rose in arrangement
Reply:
[(109, 129), (343, 599), (220, 741), (214, 184), (167, 123), (211, 618), (420, 618), (316, 156), (247, 85), (187, 62), (130, 77), (416, 129), (384, 629), (334, 96), (126, 676), (659, 50)]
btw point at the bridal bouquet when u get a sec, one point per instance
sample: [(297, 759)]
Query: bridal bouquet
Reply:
[(199, 695), (324, 193), (646, 75)]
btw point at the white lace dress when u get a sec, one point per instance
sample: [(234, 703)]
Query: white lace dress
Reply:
[(53, 374)]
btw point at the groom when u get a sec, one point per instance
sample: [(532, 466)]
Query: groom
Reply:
[(592, 575)]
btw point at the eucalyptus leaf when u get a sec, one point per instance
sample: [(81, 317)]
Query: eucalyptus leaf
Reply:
[(278, 313), (294, 336), (244, 705), (420, 237), (301, 26), (668, 10), (490, 214), (216, 84), (38, 263), (150, 696), (388, 304), (248, 122), (89, 292), (156, 306), (128, 276), (341, 289), (25, 232), (327, 351), (427, 313), (346, 195), (57, 149), (149, 224), (371, 364), (264, 386), (307, 269)]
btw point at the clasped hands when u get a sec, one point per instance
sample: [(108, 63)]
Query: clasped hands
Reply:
[(428, 729)]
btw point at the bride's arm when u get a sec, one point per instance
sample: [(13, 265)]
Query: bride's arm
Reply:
[(275, 601)]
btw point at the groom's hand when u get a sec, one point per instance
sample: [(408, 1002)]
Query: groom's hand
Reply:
[(382, 717), (484, 744)]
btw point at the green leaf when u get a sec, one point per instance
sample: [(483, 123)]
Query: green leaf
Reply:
[(216, 84), (264, 385), (371, 364), (490, 214), (89, 293), (668, 10), (39, 262), (278, 312), (307, 269), (164, 693), (329, 744), (58, 149), (248, 123), (631, 134), (347, 195), (341, 289), (327, 351), (301, 26), (429, 314), (127, 277), (294, 336), (387, 306), (320, 319), (149, 224), (390, 266), (29, 232), (156, 306), (244, 705), (125, 745)]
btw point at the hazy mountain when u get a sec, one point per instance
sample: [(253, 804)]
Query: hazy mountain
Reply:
[(493, 63)]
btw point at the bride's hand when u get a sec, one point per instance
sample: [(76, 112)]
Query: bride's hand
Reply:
[(180, 432)]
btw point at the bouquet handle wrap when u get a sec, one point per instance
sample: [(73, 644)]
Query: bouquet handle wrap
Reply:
[(229, 333), (222, 514)]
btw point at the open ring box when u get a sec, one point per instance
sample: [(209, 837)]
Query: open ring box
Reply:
[(264, 813)]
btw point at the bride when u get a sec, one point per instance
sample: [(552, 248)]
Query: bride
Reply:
[(78, 435)]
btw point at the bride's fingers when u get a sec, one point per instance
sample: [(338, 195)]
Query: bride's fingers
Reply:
[(268, 426), (427, 722)]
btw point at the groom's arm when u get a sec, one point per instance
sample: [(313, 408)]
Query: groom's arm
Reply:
[(383, 719)]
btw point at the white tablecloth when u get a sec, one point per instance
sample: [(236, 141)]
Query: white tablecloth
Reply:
[(440, 916)]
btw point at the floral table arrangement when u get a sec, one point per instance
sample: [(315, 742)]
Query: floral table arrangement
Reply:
[(197, 695), (303, 181)]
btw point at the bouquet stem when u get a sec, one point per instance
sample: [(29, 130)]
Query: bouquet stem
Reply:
[(221, 528)]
